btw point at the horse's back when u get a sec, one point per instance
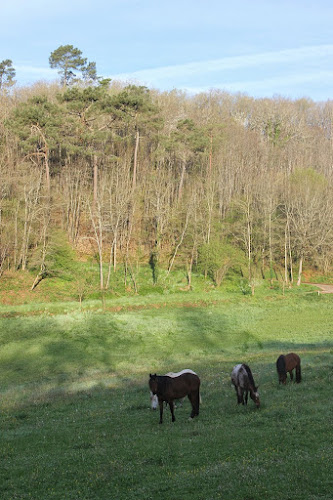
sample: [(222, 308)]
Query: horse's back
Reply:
[(177, 374), (235, 374), (184, 384), (292, 358), (189, 377)]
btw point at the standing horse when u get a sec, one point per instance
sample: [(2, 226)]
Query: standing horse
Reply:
[(242, 379), (286, 363), (170, 388), (154, 398)]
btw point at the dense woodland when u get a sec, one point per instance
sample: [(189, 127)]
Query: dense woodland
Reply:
[(206, 183)]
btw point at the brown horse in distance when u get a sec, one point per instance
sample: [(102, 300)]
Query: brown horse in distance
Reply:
[(286, 364), (170, 388)]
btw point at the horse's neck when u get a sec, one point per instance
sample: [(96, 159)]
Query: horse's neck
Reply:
[(162, 383), (252, 389)]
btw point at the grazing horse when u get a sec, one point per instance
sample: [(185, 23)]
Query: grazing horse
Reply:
[(242, 379), (286, 363), (170, 388), (154, 398)]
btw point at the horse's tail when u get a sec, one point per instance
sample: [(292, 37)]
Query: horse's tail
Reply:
[(298, 373), (197, 401), (281, 366)]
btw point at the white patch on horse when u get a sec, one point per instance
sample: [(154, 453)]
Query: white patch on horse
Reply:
[(177, 374), (153, 401)]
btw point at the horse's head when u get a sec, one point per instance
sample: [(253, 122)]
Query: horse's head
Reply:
[(255, 397), (153, 401), (153, 383)]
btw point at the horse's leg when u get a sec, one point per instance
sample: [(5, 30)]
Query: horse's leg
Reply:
[(191, 398), (160, 402), (197, 402), (239, 395), (298, 373), (194, 398), (171, 405), (246, 396)]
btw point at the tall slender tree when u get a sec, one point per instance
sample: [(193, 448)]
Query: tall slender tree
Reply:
[(7, 74), (69, 61)]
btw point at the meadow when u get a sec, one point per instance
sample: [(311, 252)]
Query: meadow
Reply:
[(75, 419)]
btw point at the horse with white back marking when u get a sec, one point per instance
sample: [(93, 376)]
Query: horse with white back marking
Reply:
[(154, 398), (168, 389), (242, 379)]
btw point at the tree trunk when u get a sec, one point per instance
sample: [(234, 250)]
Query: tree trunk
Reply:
[(181, 182), (42, 273), (290, 257), (270, 247), (47, 171), (300, 271), (135, 163), (178, 245), (286, 279), (95, 181)]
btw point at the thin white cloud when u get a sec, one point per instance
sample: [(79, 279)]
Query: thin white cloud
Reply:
[(278, 83), (33, 70), (283, 71), (28, 74), (156, 75)]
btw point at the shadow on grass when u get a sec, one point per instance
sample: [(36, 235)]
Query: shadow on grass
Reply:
[(75, 352)]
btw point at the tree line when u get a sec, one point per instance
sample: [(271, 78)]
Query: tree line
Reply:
[(206, 182)]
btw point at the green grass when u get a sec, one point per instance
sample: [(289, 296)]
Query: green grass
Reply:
[(75, 418)]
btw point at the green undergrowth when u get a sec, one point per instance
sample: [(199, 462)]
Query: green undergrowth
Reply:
[(72, 281)]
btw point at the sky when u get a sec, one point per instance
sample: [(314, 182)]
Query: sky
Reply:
[(261, 48)]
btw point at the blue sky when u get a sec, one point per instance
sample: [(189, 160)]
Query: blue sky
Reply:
[(262, 48)]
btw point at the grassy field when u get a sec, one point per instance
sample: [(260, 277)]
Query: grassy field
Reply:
[(75, 418)]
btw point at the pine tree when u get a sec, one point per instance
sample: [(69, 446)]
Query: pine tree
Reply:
[(69, 60), (7, 74)]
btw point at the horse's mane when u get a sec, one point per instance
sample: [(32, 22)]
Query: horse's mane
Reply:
[(281, 365), (249, 374)]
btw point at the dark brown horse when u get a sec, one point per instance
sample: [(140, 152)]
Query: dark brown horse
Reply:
[(170, 388), (286, 363)]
